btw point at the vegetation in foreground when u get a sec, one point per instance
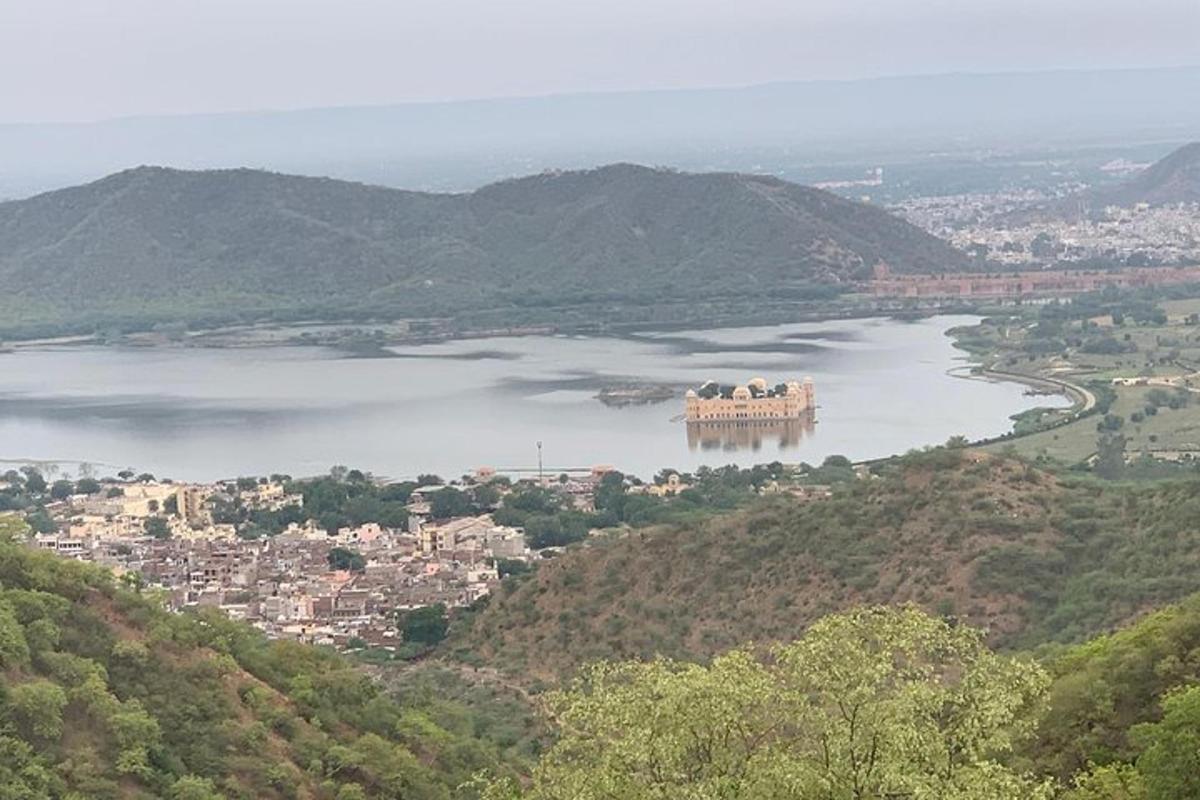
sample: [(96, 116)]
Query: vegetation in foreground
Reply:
[(876, 703), (882, 703)]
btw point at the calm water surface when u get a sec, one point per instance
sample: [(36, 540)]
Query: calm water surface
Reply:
[(197, 414)]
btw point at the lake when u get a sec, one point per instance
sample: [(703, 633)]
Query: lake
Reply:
[(882, 387)]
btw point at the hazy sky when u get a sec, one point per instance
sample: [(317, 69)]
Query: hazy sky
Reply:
[(89, 59)]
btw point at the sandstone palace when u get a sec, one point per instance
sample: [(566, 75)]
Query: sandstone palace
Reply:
[(754, 401)]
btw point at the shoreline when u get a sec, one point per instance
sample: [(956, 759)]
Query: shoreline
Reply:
[(350, 335)]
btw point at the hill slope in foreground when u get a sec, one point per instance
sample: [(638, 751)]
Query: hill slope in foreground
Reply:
[(105, 695), (217, 246), (1002, 545)]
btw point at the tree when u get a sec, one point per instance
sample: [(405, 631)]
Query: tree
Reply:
[(23, 774), (610, 494), (14, 649), (875, 703), (449, 502), (555, 530), (157, 527), (344, 558), (38, 707), (87, 486), (41, 522), (34, 482), (12, 529), (486, 496), (427, 625), (1170, 759), (1110, 456), (1110, 782), (512, 566)]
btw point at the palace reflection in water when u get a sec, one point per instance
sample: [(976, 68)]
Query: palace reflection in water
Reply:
[(749, 434)]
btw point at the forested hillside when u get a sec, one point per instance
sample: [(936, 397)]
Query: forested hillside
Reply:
[(1029, 556), (157, 245), (105, 695), (776, 652)]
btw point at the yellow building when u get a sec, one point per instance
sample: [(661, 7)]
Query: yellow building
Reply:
[(754, 401), (191, 504)]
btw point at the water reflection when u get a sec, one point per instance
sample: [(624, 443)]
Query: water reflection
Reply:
[(197, 413), (744, 434)]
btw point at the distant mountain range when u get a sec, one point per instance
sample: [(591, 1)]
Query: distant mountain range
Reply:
[(153, 244), (780, 128)]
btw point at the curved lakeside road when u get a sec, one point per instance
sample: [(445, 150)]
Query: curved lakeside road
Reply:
[(1084, 398)]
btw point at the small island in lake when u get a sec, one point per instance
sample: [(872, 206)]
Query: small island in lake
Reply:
[(632, 394)]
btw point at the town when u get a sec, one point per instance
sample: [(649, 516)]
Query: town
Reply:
[(1005, 230), (346, 559)]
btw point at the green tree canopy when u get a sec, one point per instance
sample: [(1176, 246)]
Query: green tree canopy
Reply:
[(62, 489), (874, 703), (426, 625), (1170, 759), (345, 558), (158, 528), (450, 502)]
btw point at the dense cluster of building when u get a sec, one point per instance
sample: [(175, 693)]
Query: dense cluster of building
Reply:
[(1001, 229), (290, 585)]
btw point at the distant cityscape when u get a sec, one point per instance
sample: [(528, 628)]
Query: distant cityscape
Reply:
[(1000, 229)]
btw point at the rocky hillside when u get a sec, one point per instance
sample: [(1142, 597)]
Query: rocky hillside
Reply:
[(155, 244), (1175, 178), (996, 542)]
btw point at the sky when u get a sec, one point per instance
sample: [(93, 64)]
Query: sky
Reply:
[(78, 60)]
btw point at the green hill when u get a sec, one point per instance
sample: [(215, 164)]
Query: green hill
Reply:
[(104, 695), (152, 245), (1029, 556)]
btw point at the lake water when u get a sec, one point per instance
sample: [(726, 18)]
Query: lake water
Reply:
[(196, 414)]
